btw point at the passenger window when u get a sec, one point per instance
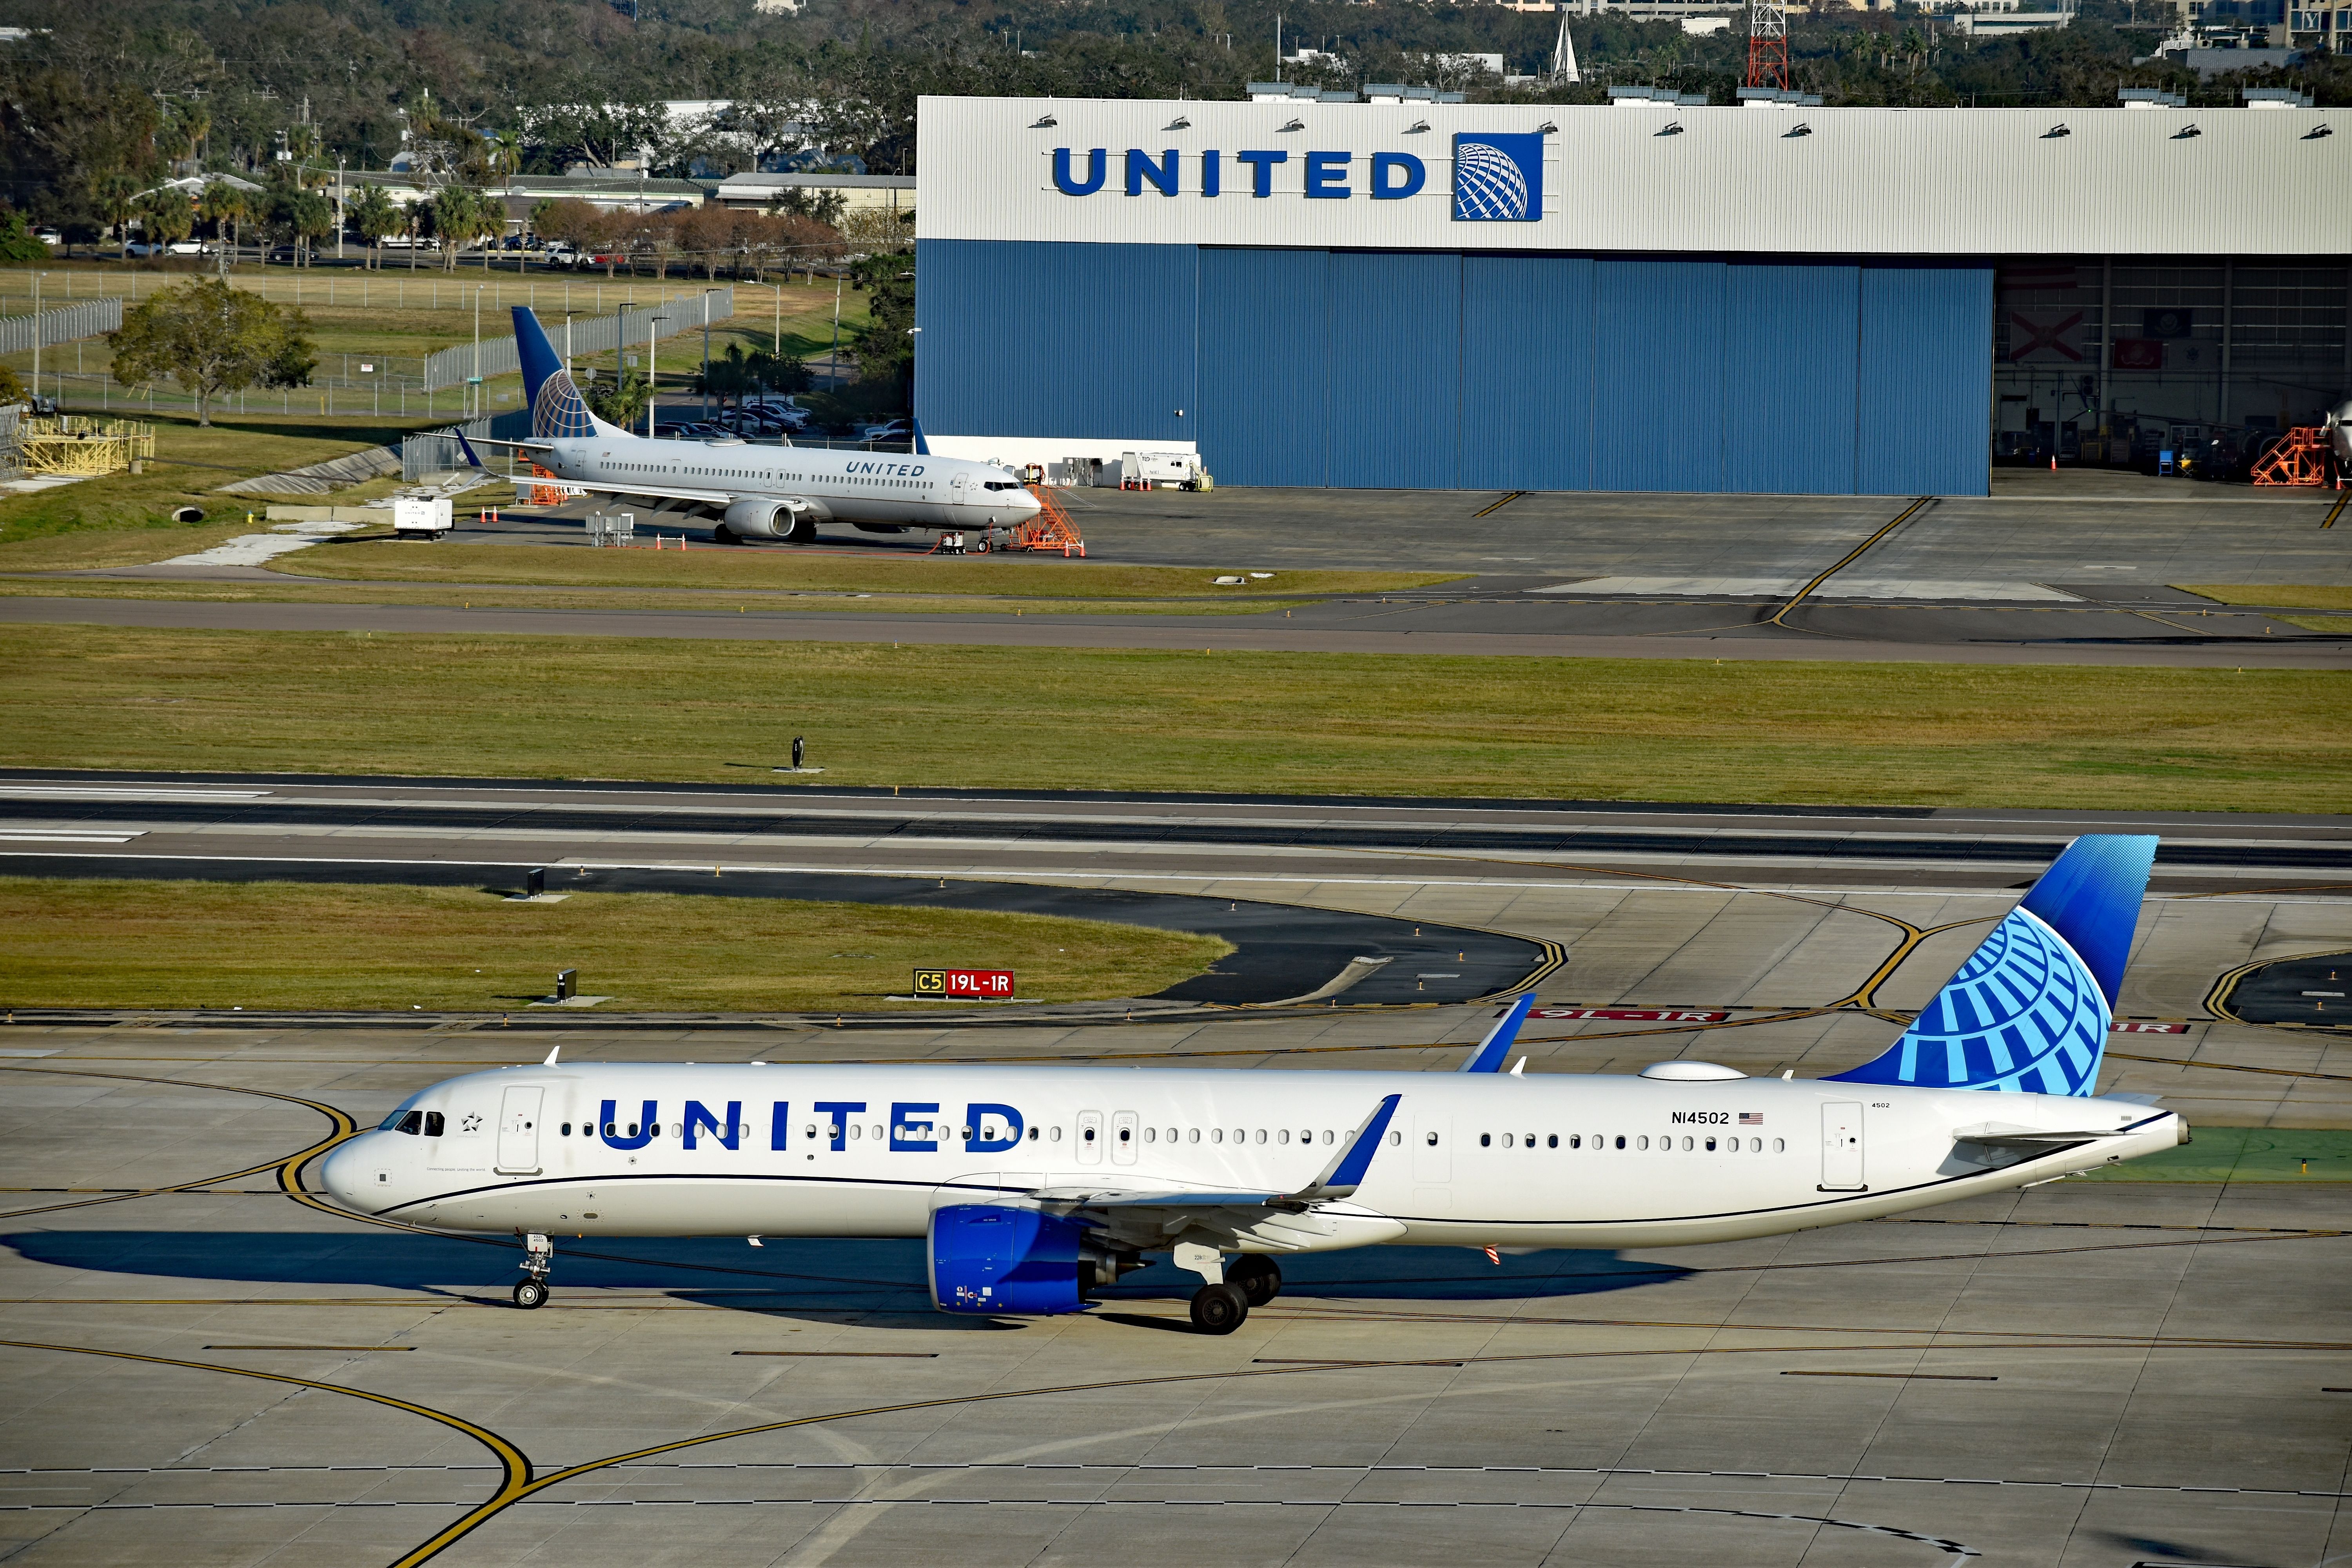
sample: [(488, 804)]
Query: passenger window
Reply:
[(611, 1130), (1151, 1135), (1756, 1145), (1032, 1134), (1621, 1140), (1553, 1143), (1125, 1134), (1261, 1134), (1328, 1137), (1192, 1135), (1090, 1135), (433, 1124), (1283, 1137), (856, 1131), (1575, 1141), (1529, 1139), (1779, 1145), (1056, 1135), (1687, 1145), (808, 1132), (1395, 1140), (1432, 1140), (1216, 1134), (412, 1121), (633, 1130), (1173, 1136), (1641, 1142)]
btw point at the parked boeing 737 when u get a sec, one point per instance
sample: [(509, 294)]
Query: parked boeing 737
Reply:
[(756, 492), (1034, 1186)]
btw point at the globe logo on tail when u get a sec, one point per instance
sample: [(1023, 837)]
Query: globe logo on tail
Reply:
[(1498, 178)]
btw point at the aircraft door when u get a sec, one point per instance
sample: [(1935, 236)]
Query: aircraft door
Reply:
[(1841, 1147), (1433, 1147), (960, 490), (1123, 1136), (519, 1131), (1090, 1137)]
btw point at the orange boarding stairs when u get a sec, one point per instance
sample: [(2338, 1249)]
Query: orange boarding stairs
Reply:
[(1051, 529), (2299, 459)]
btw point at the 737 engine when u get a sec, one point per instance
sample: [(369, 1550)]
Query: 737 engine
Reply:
[(770, 519)]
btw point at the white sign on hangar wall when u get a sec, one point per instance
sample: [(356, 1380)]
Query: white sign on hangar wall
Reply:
[(1857, 181)]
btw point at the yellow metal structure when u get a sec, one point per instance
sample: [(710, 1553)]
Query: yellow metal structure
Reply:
[(74, 444)]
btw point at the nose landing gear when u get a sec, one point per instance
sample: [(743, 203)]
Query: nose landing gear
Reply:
[(537, 1259)]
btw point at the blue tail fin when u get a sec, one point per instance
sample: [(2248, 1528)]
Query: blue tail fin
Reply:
[(557, 410), (2029, 1010)]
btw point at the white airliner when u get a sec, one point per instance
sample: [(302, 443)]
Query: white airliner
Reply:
[(758, 491), (1034, 1186)]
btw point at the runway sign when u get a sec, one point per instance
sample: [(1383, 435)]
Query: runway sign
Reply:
[(2148, 1028), (986, 982), (1633, 1014)]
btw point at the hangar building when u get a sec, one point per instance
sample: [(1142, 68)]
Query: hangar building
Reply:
[(1641, 296)]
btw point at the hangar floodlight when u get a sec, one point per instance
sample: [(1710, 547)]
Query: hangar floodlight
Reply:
[(2055, 132), (1672, 128), (1799, 129), (2185, 133), (1047, 124), (1417, 125), (2316, 132), (1295, 125), (1180, 124), (1548, 129)]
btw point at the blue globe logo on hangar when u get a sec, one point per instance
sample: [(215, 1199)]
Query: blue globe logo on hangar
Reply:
[(1498, 177)]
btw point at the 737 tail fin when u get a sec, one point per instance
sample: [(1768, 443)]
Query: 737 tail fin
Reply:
[(2029, 1010), (558, 412)]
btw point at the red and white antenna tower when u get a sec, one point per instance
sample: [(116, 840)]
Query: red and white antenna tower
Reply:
[(1768, 44)]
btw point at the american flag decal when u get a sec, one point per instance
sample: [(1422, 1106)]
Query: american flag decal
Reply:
[(1751, 1118)]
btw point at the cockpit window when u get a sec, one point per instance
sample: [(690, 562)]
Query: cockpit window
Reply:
[(411, 1123), (433, 1124), (391, 1122), (999, 484)]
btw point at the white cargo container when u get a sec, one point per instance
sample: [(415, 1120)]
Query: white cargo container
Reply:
[(425, 518), (1155, 468)]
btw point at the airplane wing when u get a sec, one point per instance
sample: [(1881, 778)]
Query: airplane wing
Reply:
[(708, 498), (1339, 1179)]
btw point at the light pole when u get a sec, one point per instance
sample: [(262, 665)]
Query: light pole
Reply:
[(914, 342), (477, 350), (653, 345), (36, 331), (833, 355), (705, 353), (567, 336)]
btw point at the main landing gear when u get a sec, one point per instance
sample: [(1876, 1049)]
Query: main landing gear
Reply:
[(537, 1259), (1223, 1303)]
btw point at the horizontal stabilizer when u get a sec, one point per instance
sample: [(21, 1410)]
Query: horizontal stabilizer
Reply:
[(2024, 1137)]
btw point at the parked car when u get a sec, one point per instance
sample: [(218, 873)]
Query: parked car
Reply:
[(892, 430), (280, 255)]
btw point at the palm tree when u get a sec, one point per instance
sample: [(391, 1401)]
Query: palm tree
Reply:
[(221, 205), (313, 220), (373, 216), (112, 197), (164, 215)]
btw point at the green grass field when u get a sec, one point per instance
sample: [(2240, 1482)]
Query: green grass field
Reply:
[(1648, 728), (2242, 1155), (2286, 597), (794, 571), (104, 943)]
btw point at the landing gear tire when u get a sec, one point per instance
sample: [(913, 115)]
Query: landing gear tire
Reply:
[(1220, 1308), (1257, 1276), (802, 532), (722, 534), (530, 1293)]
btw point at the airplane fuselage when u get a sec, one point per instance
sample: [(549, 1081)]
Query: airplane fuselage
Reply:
[(1482, 1159), (812, 484)]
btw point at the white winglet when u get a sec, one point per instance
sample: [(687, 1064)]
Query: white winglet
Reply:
[(1518, 1064), (553, 1055)]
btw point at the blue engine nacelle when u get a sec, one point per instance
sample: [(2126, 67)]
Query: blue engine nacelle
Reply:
[(986, 1258)]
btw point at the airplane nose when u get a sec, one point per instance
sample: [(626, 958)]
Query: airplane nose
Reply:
[(348, 1173)]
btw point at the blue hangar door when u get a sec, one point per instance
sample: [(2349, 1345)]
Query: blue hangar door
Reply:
[(1385, 370), (1389, 371)]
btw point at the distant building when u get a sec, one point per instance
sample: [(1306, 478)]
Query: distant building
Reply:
[(885, 192)]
